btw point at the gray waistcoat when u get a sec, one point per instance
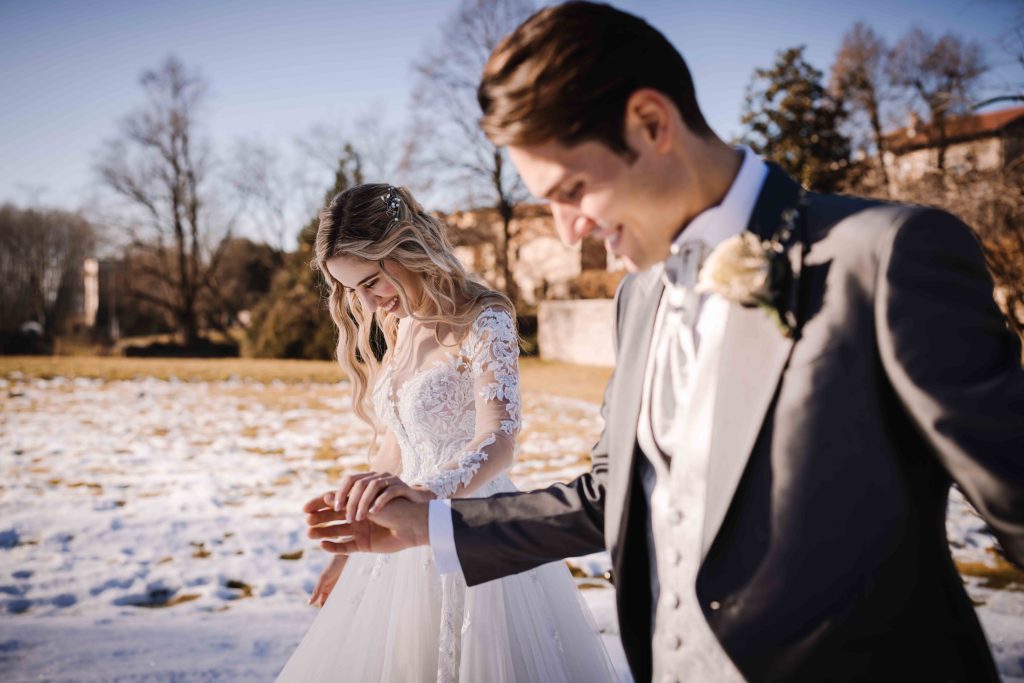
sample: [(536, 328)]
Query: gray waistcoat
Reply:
[(675, 485)]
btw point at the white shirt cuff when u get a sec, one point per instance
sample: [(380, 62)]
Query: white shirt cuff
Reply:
[(441, 533)]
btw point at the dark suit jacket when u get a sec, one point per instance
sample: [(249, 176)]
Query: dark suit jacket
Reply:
[(825, 555)]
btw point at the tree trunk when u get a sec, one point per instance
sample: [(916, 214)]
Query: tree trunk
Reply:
[(511, 289), (506, 209), (189, 325), (876, 128), (939, 120)]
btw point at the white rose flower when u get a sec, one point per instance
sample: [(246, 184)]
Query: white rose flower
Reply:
[(739, 270)]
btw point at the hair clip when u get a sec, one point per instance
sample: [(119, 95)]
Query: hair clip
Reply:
[(392, 202)]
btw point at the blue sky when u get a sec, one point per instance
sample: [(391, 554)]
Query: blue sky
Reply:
[(69, 70)]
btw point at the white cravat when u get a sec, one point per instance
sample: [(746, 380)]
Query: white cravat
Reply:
[(711, 227), (675, 350)]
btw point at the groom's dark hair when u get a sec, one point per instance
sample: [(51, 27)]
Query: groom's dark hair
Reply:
[(567, 72)]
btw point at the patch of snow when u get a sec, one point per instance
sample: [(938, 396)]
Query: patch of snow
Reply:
[(151, 530)]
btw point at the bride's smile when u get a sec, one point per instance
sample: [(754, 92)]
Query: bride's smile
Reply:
[(372, 282)]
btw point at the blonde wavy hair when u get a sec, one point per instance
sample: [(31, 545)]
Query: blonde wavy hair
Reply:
[(377, 222)]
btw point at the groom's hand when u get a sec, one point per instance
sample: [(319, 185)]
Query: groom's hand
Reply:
[(399, 525)]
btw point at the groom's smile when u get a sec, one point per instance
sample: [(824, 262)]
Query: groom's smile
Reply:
[(593, 192), (636, 200), (583, 226)]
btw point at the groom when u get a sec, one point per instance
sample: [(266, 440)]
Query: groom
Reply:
[(771, 482)]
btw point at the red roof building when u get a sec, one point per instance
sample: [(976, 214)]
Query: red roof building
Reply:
[(988, 141)]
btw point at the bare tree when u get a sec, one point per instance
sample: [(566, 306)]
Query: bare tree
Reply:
[(377, 145), (448, 143), (1012, 42), (942, 73), (264, 191), (859, 79), (41, 255), (160, 168)]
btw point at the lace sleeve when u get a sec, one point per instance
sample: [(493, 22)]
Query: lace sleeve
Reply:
[(492, 351)]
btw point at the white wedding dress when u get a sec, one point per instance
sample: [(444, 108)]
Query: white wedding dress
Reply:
[(392, 617)]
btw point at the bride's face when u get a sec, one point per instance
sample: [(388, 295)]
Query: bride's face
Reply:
[(372, 287)]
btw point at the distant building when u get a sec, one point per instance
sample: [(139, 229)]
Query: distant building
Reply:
[(982, 142), (543, 267), (103, 280)]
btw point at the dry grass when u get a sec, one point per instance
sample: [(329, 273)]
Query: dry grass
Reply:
[(559, 379), (581, 382), (188, 370), (997, 573)]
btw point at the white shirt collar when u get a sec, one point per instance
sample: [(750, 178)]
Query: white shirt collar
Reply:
[(731, 217)]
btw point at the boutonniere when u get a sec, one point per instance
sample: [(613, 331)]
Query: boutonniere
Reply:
[(753, 272)]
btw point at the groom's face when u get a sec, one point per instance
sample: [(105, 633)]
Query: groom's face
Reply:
[(595, 191)]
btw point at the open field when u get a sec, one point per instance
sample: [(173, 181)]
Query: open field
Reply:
[(150, 509), (149, 523), (558, 379)]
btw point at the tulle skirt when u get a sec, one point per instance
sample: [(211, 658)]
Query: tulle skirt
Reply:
[(393, 618)]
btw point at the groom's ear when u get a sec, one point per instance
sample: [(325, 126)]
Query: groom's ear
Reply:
[(649, 119)]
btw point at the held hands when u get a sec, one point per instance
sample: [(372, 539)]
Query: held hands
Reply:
[(366, 514), (371, 491)]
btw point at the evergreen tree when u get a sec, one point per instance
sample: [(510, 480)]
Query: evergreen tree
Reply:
[(793, 121)]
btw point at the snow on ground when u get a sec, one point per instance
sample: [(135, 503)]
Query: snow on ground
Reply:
[(150, 530)]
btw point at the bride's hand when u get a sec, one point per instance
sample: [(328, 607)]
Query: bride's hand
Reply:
[(328, 579), (400, 525), (381, 492), (359, 491)]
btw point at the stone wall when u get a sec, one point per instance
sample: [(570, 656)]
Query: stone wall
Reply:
[(543, 267), (578, 332)]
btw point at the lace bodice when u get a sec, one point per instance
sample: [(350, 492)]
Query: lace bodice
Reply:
[(456, 420)]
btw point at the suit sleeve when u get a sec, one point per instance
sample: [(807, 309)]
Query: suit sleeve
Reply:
[(955, 365), (510, 533)]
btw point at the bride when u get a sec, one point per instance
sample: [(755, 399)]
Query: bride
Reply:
[(444, 405)]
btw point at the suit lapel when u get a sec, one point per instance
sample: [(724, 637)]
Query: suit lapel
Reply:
[(754, 354), (631, 362)]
